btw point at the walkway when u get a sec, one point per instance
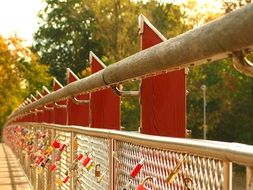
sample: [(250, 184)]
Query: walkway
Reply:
[(11, 175)]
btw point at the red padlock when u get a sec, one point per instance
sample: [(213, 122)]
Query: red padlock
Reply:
[(79, 157), (141, 186), (39, 160), (58, 158), (56, 144), (62, 147), (86, 161), (137, 168), (66, 179), (53, 167)]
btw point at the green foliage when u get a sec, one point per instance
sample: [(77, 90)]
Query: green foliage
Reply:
[(229, 102), (20, 75), (70, 29), (64, 38)]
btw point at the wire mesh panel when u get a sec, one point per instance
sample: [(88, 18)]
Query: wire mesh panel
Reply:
[(61, 158), (92, 171), (165, 169)]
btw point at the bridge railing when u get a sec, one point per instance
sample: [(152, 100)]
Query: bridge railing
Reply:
[(73, 157)]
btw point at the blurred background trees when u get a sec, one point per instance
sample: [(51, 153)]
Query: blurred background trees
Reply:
[(69, 29), (21, 74)]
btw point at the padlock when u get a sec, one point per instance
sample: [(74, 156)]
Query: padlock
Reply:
[(86, 161), (56, 144), (59, 181), (43, 164), (99, 179), (53, 167), (39, 160), (66, 179), (97, 170), (62, 147), (90, 165), (39, 170), (58, 157), (141, 186), (79, 157), (137, 168), (188, 182), (49, 150), (175, 171)]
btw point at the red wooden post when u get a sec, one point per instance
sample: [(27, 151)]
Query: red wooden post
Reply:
[(48, 109), (34, 117), (163, 97), (29, 115), (60, 107), (105, 105), (40, 113), (78, 114)]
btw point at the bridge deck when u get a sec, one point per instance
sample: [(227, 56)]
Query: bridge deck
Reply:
[(11, 174)]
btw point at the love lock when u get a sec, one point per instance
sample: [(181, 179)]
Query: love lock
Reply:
[(175, 171), (97, 170), (56, 144), (188, 182), (141, 186), (59, 181)]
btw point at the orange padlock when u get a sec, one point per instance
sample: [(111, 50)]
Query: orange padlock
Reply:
[(141, 186)]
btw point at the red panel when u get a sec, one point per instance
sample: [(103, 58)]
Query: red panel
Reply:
[(105, 105), (34, 115), (77, 114), (60, 114), (48, 113), (40, 113), (163, 102)]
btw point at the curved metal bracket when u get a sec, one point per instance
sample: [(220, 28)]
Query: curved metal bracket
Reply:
[(122, 93), (60, 106), (48, 108), (38, 110), (79, 102), (242, 64)]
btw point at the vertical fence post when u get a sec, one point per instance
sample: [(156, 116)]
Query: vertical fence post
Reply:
[(48, 109), (78, 109), (105, 105), (228, 171), (111, 164), (249, 178), (72, 136), (163, 96)]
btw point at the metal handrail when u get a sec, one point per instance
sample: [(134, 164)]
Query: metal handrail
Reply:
[(213, 41), (231, 152)]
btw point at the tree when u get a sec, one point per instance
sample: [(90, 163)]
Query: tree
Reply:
[(64, 38), (71, 28), (20, 74)]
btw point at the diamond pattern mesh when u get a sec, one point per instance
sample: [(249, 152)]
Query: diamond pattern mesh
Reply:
[(205, 173)]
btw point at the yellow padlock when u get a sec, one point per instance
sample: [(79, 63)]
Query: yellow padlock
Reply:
[(90, 165), (59, 181), (39, 170), (49, 150)]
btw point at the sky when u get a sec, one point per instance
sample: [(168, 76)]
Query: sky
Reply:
[(20, 16)]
